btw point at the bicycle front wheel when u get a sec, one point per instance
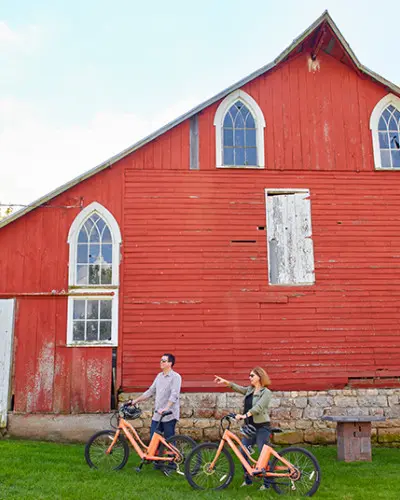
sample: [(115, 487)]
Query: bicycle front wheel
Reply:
[(307, 477), (198, 469), (96, 451)]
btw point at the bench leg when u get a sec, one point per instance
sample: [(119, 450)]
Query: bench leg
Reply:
[(354, 441)]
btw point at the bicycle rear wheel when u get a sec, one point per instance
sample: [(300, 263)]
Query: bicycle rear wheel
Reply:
[(198, 472), (184, 444), (97, 446), (307, 480)]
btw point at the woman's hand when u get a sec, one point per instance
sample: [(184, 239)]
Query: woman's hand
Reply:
[(220, 380), (240, 417)]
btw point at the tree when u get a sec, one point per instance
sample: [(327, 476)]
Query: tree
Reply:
[(5, 212)]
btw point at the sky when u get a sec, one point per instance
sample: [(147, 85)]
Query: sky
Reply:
[(82, 80)]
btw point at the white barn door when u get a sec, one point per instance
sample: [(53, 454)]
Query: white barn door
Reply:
[(6, 349)]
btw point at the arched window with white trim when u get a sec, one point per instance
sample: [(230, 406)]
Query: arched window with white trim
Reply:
[(94, 256), (385, 128), (239, 127)]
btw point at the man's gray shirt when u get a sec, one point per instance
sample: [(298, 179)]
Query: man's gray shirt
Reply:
[(165, 388)]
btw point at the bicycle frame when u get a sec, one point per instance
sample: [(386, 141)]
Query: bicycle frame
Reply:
[(261, 465), (144, 452)]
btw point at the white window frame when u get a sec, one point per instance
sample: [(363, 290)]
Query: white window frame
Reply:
[(93, 295), (239, 95), (288, 191), (93, 292), (373, 125), (73, 242)]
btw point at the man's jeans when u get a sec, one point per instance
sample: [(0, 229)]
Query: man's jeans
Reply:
[(167, 427), (261, 438)]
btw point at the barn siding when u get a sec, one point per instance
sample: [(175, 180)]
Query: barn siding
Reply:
[(187, 288)]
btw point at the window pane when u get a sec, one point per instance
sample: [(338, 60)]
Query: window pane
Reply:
[(78, 332), (106, 236), (251, 156), (228, 156), (393, 123), (382, 124), (239, 156), (396, 159), (250, 121), (105, 330), (105, 309), (94, 275), (92, 330), (233, 111), (394, 140), (82, 275), (228, 121), (92, 309), (239, 138), (250, 138), (94, 252), (100, 224), (82, 238), (239, 122), (228, 137), (385, 157), (383, 140), (106, 251), (79, 309), (82, 253), (106, 275)]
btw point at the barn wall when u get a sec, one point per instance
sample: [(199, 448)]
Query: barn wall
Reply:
[(186, 287), (191, 290), (48, 376)]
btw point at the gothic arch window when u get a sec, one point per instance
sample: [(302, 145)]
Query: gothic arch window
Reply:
[(385, 128), (94, 240), (239, 126)]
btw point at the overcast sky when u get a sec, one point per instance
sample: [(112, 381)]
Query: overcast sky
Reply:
[(82, 80)]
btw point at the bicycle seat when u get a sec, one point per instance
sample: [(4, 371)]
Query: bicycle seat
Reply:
[(275, 430)]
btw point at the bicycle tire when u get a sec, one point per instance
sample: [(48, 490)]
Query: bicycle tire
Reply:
[(96, 447), (301, 459), (196, 471)]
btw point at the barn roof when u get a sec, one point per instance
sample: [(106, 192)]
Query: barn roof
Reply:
[(314, 37)]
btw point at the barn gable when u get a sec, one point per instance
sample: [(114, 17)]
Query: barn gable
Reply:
[(323, 35)]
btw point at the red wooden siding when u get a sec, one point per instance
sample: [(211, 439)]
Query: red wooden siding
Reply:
[(48, 376), (186, 288)]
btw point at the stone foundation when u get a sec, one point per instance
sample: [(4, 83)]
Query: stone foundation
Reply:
[(298, 413)]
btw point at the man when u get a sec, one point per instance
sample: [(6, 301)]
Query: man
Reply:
[(166, 388)]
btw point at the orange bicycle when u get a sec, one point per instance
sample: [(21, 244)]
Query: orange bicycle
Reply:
[(293, 471), (109, 450)]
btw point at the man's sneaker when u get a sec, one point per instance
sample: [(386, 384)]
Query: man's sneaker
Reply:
[(264, 487), (245, 484)]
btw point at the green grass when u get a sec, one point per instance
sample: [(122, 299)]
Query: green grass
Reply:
[(38, 470)]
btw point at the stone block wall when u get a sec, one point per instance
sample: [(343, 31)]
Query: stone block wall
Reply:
[(298, 413)]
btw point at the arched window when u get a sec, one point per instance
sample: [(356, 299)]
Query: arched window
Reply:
[(385, 128), (239, 125), (94, 240)]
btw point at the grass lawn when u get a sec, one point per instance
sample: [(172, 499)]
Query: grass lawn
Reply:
[(38, 470)]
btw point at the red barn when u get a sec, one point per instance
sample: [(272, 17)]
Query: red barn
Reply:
[(262, 227)]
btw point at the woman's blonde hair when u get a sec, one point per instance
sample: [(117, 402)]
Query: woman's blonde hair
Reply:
[(263, 375)]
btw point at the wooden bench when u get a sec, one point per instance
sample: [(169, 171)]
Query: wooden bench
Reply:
[(353, 437)]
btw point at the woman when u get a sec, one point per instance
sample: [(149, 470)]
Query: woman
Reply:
[(256, 402)]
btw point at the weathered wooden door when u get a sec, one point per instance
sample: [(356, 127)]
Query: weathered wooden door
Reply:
[(6, 343)]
